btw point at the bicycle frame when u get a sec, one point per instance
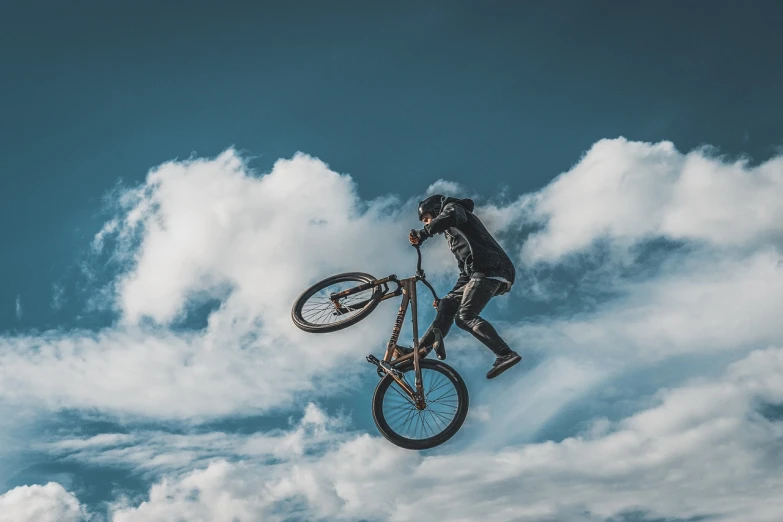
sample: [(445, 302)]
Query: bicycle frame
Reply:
[(406, 287)]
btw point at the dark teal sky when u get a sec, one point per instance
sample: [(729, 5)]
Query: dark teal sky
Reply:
[(488, 94)]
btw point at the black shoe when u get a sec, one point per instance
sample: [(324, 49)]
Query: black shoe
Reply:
[(439, 346), (440, 351), (503, 363)]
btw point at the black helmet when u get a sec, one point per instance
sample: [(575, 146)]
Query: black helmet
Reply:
[(432, 204)]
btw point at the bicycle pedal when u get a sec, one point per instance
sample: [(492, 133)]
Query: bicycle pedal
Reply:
[(373, 360), (386, 368)]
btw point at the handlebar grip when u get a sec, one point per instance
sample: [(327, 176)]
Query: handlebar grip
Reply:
[(412, 234)]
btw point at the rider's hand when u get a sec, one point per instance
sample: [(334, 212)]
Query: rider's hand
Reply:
[(435, 303), (417, 237)]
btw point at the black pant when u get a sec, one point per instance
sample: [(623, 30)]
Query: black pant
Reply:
[(462, 306)]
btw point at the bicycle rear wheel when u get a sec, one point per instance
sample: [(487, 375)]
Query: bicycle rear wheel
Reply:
[(314, 312), (398, 419)]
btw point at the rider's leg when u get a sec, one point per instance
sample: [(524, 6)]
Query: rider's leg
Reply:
[(477, 294), (447, 310)]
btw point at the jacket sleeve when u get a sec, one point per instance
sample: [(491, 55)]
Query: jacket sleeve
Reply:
[(451, 216)]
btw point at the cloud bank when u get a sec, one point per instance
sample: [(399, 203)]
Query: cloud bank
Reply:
[(47, 503), (664, 383), (628, 192), (668, 461)]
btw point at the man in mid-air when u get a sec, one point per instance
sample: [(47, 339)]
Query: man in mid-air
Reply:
[(485, 270)]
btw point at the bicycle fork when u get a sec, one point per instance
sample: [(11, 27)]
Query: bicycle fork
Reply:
[(408, 297)]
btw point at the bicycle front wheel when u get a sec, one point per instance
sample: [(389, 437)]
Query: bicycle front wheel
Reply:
[(397, 417), (314, 312)]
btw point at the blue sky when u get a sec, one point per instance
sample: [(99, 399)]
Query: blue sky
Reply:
[(157, 228)]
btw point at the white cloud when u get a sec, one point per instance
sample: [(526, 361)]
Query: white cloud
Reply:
[(47, 503), (178, 376), (445, 187), (632, 191), (153, 452), (58, 296), (538, 396), (210, 229), (704, 450), (206, 227), (695, 305), (18, 308)]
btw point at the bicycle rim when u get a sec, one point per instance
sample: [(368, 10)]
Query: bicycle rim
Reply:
[(398, 419), (313, 311)]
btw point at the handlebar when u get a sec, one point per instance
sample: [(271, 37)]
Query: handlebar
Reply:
[(420, 273)]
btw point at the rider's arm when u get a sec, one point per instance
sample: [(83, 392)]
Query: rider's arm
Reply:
[(451, 216)]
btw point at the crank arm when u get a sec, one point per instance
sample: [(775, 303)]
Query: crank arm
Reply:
[(395, 374)]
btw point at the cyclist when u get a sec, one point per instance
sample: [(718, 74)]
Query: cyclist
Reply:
[(485, 270)]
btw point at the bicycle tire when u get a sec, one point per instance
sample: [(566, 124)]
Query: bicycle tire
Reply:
[(359, 278), (380, 417)]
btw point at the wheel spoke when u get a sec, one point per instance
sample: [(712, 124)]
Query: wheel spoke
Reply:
[(319, 310), (409, 418), (322, 313), (440, 397), (442, 406), (440, 386), (402, 416), (424, 420), (440, 416), (395, 387), (439, 420)]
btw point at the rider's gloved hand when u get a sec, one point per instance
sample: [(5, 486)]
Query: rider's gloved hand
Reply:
[(417, 237)]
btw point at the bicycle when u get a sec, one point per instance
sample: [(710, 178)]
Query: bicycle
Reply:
[(421, 386)]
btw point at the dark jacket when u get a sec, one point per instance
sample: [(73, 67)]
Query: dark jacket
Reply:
[(476, 250)]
